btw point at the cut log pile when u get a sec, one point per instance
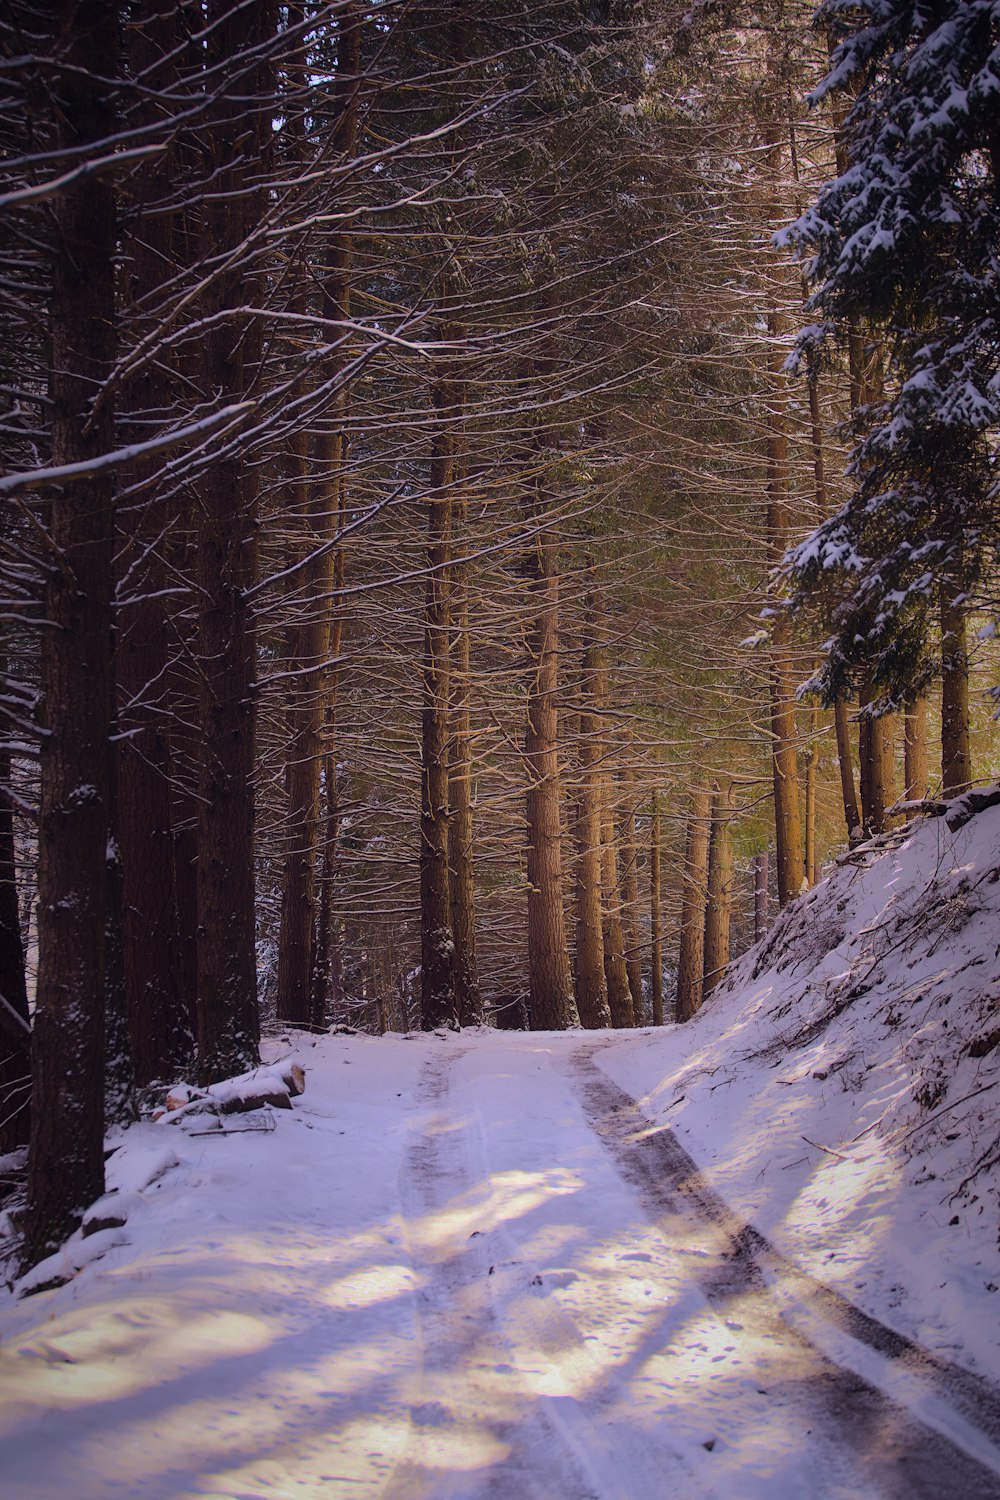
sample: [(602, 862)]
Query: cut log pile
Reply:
[(274, 1086)]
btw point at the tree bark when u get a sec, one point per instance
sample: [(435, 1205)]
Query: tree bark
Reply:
[(784, 753), (66, 1161), (460, 833), (591, 984), (875, 753), (437, 946), (15, 1027), (311, 639), (956, 751), (228, 1017), (655, 913), (616, 973), (630, 902), (719, 900), (761, 894), (156, 1007), (812, 773), (849, 796), (691, 960), (551, 1002), (915, 751)]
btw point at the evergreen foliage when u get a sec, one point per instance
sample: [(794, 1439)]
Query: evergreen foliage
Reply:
[(904, 256)]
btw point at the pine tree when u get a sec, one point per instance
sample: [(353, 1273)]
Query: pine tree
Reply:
[(903, 242)]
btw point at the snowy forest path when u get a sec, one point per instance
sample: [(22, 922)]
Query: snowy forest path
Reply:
[(462, 1268)]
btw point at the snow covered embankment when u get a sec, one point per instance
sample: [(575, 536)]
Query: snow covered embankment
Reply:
[(842, 1090)]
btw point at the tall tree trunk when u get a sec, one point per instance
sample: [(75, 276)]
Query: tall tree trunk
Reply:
[(956, 752), (848, 792), (630, 901), (591, 984), (327, 972), (655, 913), (437, 947), (156, 1008), (691, 960), (915, 750), (228, 1017), (460, 832), (719, 901), (761, 894), (812, 774), (784, 753), (616, 973), (66, 1161), (15, 1027), (875, 753), (551, 1002), (311, 639), (842, 726)]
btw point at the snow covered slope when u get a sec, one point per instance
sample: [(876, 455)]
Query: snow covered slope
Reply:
[(843, 1089)]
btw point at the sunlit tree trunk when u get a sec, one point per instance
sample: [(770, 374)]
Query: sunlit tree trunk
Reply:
[(615, 971), (691, 960), (630, 901), (915, 750), (551, 1002), (655, 913), (719, 899), (591, 984)]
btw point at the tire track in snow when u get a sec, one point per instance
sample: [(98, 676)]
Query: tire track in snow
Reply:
[(904, 1457), (476, 1428)]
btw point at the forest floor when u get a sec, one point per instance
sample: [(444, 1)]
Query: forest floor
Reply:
[(736, 1259)]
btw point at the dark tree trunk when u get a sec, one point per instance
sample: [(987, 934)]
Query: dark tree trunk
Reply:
[(848, 791), (956, 752), (310, 640), (160, 1037), (15, 1028), (228, 1018), (460, 832), (66, 1164), (437, 945)]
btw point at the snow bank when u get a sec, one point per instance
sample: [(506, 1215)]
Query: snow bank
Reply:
[(842, 1088)]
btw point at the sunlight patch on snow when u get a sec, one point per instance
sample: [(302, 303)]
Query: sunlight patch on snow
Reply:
[(505, 1195), (123, 1347), (373, 1284)]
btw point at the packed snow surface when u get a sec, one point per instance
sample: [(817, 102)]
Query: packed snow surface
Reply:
[(752, 1257)]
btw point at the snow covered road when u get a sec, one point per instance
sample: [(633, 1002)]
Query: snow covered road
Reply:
[(465, 1266)]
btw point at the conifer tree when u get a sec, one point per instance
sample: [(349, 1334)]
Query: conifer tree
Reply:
[(903, 240)]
